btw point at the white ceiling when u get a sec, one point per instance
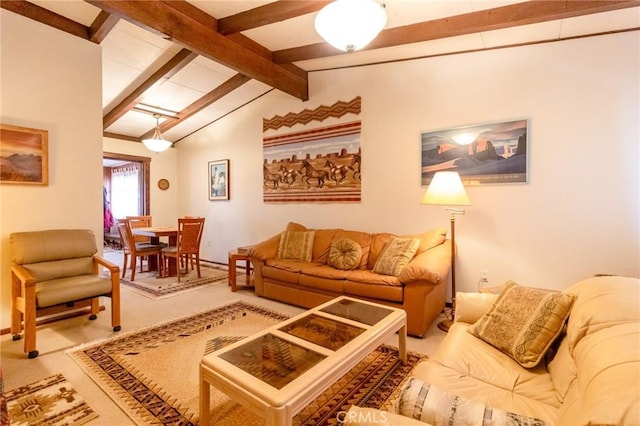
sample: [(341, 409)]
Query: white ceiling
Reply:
[(132, 54)]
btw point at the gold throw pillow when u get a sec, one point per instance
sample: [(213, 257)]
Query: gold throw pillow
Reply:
[(396, 255), (524, 321), (344, 254), (296, 245)]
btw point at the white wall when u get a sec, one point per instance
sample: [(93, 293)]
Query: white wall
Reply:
[(577, 216), (51, 80)]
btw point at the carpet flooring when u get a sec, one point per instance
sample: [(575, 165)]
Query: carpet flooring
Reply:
[(52, 401), (167, 392), (149, 285)]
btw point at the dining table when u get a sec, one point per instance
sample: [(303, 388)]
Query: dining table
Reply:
[(157, 232)]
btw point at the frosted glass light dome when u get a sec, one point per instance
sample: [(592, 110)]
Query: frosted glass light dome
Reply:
[(350, 25)]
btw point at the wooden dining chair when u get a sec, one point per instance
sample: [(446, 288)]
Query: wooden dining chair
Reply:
[(140, 222), (135, 250), (187, 246)]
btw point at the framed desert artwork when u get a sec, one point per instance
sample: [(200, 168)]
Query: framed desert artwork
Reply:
[(23, 155), (482, 154), (219, 180)]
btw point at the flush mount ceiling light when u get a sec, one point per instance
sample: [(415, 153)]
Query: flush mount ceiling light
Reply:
[(157, 143), (350, 25)]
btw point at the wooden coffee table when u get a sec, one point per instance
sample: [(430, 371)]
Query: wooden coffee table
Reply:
[(279, 371)]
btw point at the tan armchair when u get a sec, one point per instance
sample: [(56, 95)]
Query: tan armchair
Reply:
[(54, 269)]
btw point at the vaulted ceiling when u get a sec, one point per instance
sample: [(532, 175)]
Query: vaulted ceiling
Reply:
[(200, 60)]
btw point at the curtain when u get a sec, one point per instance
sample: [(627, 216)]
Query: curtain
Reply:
[(125, 190)]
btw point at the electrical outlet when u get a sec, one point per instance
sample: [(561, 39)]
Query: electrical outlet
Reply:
[(484, 275)]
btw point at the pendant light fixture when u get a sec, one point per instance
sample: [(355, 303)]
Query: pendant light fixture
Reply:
[(157, 143), (350, 25)]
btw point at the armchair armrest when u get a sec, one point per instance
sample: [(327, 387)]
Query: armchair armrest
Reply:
[(22, 275), (112, 267), (471, 306), (431, 265)]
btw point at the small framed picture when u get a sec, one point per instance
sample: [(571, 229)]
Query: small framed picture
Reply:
[(24, 155), (218, 180)]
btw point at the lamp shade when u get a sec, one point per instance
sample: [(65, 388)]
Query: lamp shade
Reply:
[(157, 143), (446, 189), (350, 25)]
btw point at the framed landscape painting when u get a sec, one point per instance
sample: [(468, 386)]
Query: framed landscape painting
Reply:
[(219, 180), (23, 155), (481, 154)]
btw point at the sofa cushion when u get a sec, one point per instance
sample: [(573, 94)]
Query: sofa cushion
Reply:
[(297, 245), (427, 403), (62, 290), (396, 255), (51, 245), (344, 254), (468, 367), (524, 321)]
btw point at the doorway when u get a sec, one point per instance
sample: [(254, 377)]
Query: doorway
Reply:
[(125, 180)]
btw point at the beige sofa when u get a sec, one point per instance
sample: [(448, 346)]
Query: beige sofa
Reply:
[(590, 376), (420, 287)]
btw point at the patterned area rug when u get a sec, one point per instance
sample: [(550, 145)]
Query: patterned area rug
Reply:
[(149, 285), (168, 392), (52, 401)]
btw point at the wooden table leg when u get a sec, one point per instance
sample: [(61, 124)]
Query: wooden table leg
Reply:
[(204, 400), (232, 272), (248, 271)]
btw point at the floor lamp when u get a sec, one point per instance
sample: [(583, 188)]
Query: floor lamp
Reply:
[(446, 189)]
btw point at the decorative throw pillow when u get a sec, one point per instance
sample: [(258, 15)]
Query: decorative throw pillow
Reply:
[(395, 255), (426, 403), (297, 245), (523, 322), (344, 254)]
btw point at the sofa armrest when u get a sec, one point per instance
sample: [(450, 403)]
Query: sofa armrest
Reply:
[(267, 249), (471, 306), (431, 265), (372, 417)]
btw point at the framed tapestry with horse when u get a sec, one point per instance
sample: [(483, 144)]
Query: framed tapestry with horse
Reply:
[(317, 164)]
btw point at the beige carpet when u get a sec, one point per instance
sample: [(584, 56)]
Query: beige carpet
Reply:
[(52, 401), (152, 374), (149, 285)]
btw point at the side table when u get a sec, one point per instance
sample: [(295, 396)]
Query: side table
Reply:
[(234, 257)]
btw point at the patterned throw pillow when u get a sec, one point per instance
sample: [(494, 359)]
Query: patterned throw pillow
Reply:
[(296, 245), (396, 255), (523, 322), (424, 402), (344, 254)]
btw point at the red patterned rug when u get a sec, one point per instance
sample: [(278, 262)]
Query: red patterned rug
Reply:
[(152, 374)]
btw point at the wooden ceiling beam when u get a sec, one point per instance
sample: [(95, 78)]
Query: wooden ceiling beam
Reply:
[(268, 14), (224, 89), (530, 12), (102, 26), (169, 18), (47, 17), (168, 70)]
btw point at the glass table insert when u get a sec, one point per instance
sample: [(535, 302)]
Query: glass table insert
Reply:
[(273, 360), (356, 311), (322, 331)]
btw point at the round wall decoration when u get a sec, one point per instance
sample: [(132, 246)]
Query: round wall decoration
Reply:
[(163, 184)]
